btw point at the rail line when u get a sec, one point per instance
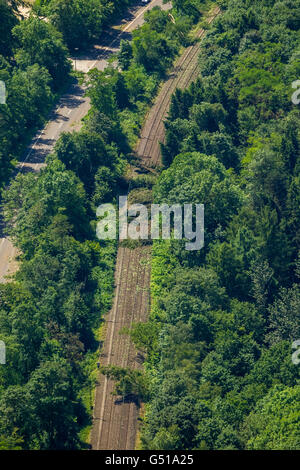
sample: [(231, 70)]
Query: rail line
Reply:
[(115, 424), (148, 147)]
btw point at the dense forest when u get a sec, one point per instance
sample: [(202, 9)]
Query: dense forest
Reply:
[(80, 21), (34, 63), (51, 310), (219, 371), (223, 320), (34, 67)]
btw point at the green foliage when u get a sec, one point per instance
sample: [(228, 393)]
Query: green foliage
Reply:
[(219, 373), (143, 335), (192, 8), (40, 43), (11, 443), (34, 66), (55, 191), (128, 382), (86, 154), (284, 315), (34, 63), (81, 21), (8, 21), (125, 54), (221, 370), (42, 409), (197, 178), (156, 58), (274, 424), (49, 312)]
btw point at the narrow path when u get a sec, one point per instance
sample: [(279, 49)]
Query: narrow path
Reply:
[(115, 423)]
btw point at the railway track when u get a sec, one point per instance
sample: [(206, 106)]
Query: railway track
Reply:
[(115, 423), (184, 72)]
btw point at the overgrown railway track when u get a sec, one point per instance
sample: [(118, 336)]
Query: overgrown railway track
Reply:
[(115, 422), (184, 72)]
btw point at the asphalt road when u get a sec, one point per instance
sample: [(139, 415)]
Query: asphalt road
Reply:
[(71, 108)]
